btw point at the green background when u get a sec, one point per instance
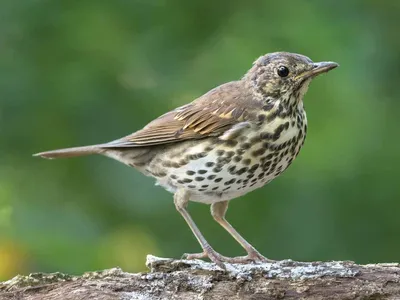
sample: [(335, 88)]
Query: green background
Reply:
[(83, 72)]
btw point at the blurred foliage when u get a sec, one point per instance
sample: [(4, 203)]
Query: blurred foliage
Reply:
[(82, 72)]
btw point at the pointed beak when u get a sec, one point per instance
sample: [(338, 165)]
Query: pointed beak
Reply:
[(317, 69)]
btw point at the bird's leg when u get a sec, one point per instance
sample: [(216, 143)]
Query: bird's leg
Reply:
[(181, 199), (218, 211)]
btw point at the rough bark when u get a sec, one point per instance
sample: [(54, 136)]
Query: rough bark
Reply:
[(182, 279)]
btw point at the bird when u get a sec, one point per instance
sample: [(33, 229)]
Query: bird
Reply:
[(228, 142)]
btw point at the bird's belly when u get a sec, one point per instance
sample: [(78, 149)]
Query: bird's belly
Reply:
[(217, 171)]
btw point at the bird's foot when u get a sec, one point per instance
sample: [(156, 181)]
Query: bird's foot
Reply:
[(253, 256), (210, 253)]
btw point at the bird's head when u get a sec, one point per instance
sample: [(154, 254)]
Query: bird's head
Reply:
[(284, 76)]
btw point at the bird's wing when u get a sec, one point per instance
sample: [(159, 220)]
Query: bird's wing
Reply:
[(210, 115)]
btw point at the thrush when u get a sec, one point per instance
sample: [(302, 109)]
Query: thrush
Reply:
[(232, 140)]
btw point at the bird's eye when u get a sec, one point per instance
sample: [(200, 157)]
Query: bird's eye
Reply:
[(283, 71)]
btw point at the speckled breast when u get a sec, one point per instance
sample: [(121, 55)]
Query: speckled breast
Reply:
[(214, 170)]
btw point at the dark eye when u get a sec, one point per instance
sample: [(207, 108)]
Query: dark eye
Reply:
[(283, 71)]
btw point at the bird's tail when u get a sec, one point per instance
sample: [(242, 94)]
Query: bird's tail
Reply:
[(71, 152)]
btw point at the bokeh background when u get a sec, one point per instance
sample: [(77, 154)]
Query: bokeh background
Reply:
[(82, 72)]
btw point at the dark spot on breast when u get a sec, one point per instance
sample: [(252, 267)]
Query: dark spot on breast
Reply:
[(258, 152), (266, 165), (220, 152), (237, 158), (202, 171), (231, 169), (230, 154), (231, 143), (218, 179), (245, 146), (209, 164), (246, 161), (269, 156), (187, 180), (191, 186), (216, 169), (211, 177), (241, 171), (173, 176), (229, 182), (253, 168), (190, 172), (215, 188), (204, 186), (293, 150), (199, 178)]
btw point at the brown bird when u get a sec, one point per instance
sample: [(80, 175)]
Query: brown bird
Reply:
[(230, 141)]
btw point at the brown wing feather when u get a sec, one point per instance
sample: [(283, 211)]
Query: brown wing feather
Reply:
[(210, 115)]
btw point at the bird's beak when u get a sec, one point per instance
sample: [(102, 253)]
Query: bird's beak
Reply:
[(318, 68)]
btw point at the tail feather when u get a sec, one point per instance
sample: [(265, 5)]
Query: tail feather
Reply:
[(71, 152)]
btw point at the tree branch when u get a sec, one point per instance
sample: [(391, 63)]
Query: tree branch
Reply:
[(183, 279)]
